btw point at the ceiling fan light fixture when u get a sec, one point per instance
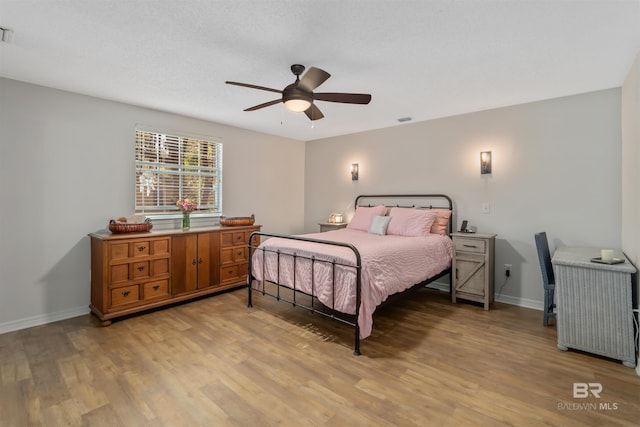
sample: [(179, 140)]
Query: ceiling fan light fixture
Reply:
[(297, 105), (299, 97)]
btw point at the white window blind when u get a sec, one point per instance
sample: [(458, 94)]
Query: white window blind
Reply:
[(173, 167)]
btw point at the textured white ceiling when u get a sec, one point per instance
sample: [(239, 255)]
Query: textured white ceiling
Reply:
[(419, 59)]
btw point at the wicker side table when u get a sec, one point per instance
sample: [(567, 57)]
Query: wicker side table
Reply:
[(594, 304)]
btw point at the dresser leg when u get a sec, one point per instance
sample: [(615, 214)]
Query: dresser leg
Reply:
[(563, 348), (106, 322)]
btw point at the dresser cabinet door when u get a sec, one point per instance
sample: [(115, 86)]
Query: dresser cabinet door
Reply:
[(194, 262)]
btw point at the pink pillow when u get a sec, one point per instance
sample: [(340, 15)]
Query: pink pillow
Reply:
[(362, 218), (410, 222), (442, 220)]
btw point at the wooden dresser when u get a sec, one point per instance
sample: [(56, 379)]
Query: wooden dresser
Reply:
[(133, 272)]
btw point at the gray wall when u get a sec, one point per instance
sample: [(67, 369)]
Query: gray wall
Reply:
[(630, 166), (556, 168), (67, 167)]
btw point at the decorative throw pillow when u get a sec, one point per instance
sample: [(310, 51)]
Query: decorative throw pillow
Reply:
[(441, 222), (379, 224), (362, 218), (410, 222)]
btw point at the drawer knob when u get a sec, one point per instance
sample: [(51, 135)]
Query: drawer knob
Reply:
[(141, 248), (193, 262), (156, 287), (141, 268), (469, 246), (200, 261), (125, 293)]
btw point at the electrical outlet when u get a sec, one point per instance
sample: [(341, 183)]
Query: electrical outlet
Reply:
[(507, 270)]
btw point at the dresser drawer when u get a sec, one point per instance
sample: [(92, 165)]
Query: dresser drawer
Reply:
[(118, 251), (470, 245), (125, 295), (229, 273), (160, 247), (139, 248), (159, 267), (139, 269), (156, 289), (119, 273), (233, 255), (233, 238), (243, 269)]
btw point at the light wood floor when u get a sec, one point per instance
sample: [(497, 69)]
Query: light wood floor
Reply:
[(215, 362)]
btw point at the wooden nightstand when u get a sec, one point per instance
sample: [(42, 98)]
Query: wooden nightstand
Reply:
[(473, 267), (328, 226)]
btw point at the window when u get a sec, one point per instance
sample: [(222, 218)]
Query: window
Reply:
[(173, 167)]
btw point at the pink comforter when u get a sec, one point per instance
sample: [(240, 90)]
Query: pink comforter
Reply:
[(390, 264)]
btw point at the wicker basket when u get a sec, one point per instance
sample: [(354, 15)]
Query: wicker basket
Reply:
[(126, 227), (240, 220)]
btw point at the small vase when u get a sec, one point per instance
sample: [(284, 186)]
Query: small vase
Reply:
[(186, 220)]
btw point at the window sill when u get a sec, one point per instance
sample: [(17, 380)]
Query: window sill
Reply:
[(171, 221)]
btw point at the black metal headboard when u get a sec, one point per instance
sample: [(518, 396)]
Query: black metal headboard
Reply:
[(421, 201)]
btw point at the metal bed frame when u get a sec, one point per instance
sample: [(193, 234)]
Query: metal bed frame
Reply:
[(322, 309)]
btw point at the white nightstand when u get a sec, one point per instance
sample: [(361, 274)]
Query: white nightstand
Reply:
[(328, 226), (473, 267)]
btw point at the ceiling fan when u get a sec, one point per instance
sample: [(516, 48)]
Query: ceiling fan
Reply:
[(299, 95)]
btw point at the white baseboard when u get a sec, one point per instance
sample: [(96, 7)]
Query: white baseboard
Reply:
[(42, 319), (521, 302)]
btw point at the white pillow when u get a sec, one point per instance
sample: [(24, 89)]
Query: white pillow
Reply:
[(379, 225)]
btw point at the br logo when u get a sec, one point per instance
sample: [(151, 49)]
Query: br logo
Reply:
[(583, 390)]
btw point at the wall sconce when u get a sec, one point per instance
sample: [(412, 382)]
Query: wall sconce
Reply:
[(354, 171), (485, 162)]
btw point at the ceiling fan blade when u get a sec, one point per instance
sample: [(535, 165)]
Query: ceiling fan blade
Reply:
[(346, 98), (314, 112), (313, 78), (253, 86), (266, 104)]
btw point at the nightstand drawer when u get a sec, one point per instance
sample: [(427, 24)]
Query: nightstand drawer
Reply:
[(470, 245), (328, 226)]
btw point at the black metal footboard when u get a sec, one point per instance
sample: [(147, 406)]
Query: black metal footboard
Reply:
[(319, 308)]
